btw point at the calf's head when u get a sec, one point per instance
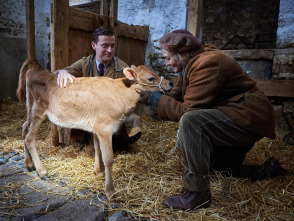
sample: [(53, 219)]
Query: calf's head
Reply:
[(146, 79)]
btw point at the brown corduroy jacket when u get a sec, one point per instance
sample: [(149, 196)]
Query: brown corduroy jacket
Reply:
[(81, 68), (213, 79)]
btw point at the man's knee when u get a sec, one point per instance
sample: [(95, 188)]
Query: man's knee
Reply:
[(185, 120), (190, 119)]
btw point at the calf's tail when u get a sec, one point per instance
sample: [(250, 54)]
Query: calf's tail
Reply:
[(21, 90)]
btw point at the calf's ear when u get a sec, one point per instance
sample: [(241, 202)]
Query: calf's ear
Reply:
[(130, 73)]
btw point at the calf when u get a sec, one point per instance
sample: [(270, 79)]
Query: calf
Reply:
[(97, 105)]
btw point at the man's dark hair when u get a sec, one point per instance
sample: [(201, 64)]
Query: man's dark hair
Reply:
[(100, 31)]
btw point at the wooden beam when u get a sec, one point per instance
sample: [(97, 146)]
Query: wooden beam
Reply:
[(59, 34), (103, 8), (113, 18), (113, 9), (132, 31), (85, 21), (30, 25), (194, 17), (276, 88)]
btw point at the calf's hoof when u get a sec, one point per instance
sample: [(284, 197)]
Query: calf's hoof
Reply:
[(30, 169), (109, 193), (44, 178)]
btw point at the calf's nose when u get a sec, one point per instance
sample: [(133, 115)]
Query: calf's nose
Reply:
[(171, 83)]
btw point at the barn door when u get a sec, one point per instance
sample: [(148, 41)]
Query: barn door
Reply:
[(71, 31)]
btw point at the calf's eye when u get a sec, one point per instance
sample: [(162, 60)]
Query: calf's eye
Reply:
[(151, 79)]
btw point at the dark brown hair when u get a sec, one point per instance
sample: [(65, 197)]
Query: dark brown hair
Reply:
[(100, 31)]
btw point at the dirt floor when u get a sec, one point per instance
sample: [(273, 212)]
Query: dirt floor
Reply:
[(145, 175)]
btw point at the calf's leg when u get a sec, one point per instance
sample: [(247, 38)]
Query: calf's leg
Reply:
[(98, 156), (28, 158), (30, 146), (25, 129), (107, 157)]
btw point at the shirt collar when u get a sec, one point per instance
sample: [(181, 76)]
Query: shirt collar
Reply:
[(105, 65)]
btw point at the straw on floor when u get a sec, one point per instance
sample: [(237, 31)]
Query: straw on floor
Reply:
[(145, 174)]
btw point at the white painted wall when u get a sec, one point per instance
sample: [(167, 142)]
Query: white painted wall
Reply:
[(285, 32), (161, 17)]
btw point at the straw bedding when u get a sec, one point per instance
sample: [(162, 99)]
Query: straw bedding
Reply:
[(145, 175)]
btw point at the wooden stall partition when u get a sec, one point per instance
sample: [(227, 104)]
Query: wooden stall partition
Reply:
[(81, 26), (71, 31), (131, 43)]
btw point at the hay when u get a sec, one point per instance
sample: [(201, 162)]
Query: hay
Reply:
[(144, 176)]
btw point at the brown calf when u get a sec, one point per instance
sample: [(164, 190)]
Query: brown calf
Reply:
[(97, 105)]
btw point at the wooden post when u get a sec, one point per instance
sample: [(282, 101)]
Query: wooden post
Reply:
[(103, 8), (30, 25), (113, 18), (194, 17), (113, 10), (59, 34)]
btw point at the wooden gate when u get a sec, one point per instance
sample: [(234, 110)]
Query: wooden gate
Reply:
[(71, 31)]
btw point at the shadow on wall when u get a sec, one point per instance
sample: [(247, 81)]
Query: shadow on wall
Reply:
[(13, 53)]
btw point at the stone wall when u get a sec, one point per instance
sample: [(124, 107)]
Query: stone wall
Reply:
[(283, 69), (283, 62), (285, 31), (250, 19)]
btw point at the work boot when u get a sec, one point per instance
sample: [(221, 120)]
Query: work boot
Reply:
[(270, 169), (188, 200)]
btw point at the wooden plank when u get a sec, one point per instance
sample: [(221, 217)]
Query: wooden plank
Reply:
[(132, 51), (59, 34), (103, 8), (80, 24), (276, 88), (194, 17), (30, 25), (79, 45), (86, 21), (132, 31)]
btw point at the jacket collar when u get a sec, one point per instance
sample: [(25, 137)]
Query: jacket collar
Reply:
[(192, 54)]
